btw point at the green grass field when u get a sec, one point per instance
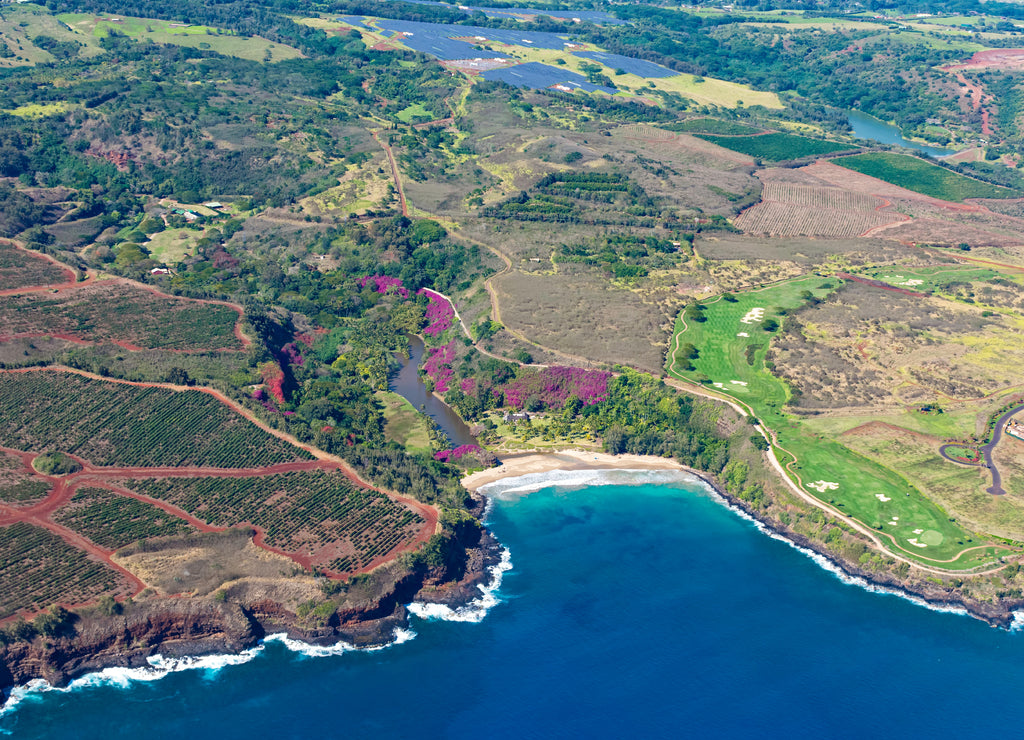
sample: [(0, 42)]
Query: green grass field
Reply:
[(928, 279), (413, 112), (776, 147), (223, 42), (170, 246), (732, 344), (404, 424), (922, 177)]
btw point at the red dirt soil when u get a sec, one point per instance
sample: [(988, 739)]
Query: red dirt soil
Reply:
[(105, 477), (991, 59)]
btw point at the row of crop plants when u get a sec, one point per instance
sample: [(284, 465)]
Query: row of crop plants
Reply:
[(114, 424), (113, 521), (126, 313), (23, 492), (37, 569), (298, 512), (20, 269)]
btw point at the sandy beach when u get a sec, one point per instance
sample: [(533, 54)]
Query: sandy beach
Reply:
[(566, 460)]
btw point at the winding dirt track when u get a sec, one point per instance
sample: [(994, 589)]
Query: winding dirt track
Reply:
[(394, 172)]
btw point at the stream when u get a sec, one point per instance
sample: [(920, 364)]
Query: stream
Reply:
[(407, 383)]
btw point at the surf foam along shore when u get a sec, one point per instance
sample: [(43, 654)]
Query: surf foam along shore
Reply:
[(515, 486), (160, 667), (474, 610)]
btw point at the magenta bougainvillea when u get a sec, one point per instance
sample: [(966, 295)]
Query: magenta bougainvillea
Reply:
[(439, 313), (438, 365), (554, 385), (456, 454), (383, 284), (291, 355), (468, 386)]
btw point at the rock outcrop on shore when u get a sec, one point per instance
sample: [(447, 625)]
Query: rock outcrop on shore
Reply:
[(178, 627)]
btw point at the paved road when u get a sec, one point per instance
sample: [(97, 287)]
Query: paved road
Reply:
[(996, 489)]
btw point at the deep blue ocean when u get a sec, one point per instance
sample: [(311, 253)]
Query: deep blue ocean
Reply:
[(630, 611)]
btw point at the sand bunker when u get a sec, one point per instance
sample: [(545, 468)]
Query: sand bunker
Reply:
[(823, 485), (882, 497), (754, 316)]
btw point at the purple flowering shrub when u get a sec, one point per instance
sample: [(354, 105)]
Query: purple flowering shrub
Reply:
[(438, 365), (554, 385), (383, 284), (439, 313), (291, 355), (451, 456)]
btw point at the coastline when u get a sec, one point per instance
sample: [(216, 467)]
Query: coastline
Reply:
[(1002, 614), (569, 459)]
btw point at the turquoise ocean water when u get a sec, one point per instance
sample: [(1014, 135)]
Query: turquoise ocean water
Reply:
[(637, 605)]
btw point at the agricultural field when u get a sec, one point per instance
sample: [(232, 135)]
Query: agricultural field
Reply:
[(21, 269), (114, 424), (116, 311), (922, 177), (113, 521), (712, 126), (38, 569), (18, 486), (777, 147), (224, 42), (319, 515), (788, 209)]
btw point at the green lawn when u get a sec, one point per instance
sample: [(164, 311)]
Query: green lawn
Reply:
[(404, 424), (928, 279), (864, 489), (776, 147), (413, 112), (922, 177)]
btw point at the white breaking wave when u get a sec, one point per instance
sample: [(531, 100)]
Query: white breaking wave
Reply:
[(828, 565), (475, 610), (512, 488), (159, 666)]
